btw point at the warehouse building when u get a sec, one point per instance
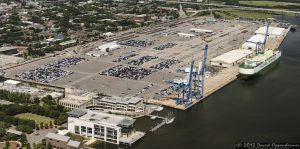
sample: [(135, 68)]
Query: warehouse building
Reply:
[(272, 32), (96, 53), (108, 47), (231, 58), (6, 60), (106, 127), (186, 35), (198, 30), (17, 86), (8, 50), (122, 105), (62, 142), (255, 42)]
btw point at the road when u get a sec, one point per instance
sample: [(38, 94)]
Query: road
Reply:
[(239, 7)]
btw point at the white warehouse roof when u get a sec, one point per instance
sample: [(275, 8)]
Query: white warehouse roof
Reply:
[(12, 82), (198, 30), (257, 38), (277, 31), (186, 34), (232, 56), (109, 46)]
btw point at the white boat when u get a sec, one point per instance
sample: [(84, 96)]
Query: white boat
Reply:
[(169, 121), (159, 108), (153, 117)]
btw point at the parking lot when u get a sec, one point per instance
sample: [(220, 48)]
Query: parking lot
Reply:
[(142, 64)]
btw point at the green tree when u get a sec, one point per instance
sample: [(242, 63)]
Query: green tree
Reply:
[(36, 100), (51, 124), (232, 2), (42, 125), (37, 127), (7, 144), (46, 126)]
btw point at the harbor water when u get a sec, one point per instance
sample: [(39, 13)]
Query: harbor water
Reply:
[(265, 109)]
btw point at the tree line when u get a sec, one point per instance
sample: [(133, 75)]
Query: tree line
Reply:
[(14, 96)]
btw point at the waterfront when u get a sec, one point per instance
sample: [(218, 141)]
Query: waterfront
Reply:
[(260, 110)]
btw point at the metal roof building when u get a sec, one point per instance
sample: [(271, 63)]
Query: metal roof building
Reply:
[(108, 47), (61, 141), (231, 58), (186, 35), (121, 100), (198, 30), (253, 42), (273, 31)]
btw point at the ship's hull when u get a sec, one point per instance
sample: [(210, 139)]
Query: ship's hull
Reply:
[(260, 69)]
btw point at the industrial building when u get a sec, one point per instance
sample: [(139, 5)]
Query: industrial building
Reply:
[(231, 58), (198, 30), (272, 32), (106, 127), (9, 60), (123, 105), (8, 50), (108, 47), (62, 142), (17, 86), (255, 42), (96, 53), (76, 99), (186, 35)]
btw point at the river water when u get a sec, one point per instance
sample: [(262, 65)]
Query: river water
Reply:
[(265, 109)]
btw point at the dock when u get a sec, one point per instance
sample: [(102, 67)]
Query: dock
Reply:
[(164, 121), (217, 82)]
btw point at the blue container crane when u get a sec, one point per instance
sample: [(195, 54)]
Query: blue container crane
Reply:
[(193, 86)]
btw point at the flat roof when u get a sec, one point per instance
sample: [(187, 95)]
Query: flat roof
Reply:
[(57, 137), (126, 122), (67, 42), (201, 30), (73, 143), (110, 45), (14, 82), (2, 49), (186, 34), (8, 59), (105, 118), (14, 132), (74, 101), (257, 38), (121, 100), (272, 30), (232, 56), (76, 113)]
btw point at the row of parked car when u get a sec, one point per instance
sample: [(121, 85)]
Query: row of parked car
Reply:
[(124, 58), (165, 64), (44, 74), (66, 62), (130, 72), (142, 60), (136, 43), (165, 46)]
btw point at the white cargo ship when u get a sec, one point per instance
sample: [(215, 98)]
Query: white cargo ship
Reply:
[(256, 65)]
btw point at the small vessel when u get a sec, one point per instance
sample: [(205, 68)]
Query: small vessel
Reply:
[(159, 108), (153, 117), (169, 121), (293, 29)]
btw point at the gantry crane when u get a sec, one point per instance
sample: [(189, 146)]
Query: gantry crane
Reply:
[(193, 85)]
